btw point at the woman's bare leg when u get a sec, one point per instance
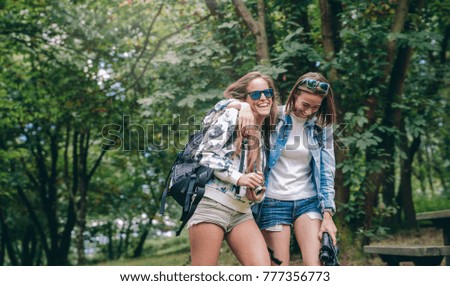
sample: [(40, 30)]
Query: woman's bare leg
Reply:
[(307, 234), (247, 243), (279, 242), (206, 241)]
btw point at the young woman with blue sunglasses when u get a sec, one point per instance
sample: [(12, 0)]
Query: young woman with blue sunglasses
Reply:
[(224, 213)]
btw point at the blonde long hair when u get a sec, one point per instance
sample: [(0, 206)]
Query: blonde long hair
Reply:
[(238, 90)]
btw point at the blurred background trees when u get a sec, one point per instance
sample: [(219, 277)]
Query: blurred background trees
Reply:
[(96, 98)]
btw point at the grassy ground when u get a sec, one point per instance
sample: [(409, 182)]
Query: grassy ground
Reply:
[(171, 252), (175, 251)]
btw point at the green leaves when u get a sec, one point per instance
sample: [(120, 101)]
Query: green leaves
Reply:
[(190, 100), (69, 68)]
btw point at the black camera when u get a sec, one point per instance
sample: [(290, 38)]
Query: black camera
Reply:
[(328, 252)]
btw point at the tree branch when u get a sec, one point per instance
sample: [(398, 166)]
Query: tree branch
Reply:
[(245, 14), (97, 163), (397, 26), (160, 42), (147, 38), (214, 8)]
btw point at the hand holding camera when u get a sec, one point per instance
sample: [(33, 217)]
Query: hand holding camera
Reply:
[(328, 252), (255, 194), (258, 190)]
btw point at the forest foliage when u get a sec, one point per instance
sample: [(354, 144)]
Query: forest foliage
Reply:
[(97, 97)]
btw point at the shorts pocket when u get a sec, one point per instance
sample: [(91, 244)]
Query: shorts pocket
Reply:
[(268, 202), (209, 203)]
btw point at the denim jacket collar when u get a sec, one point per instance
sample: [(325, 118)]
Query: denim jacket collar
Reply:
[(282, 116)]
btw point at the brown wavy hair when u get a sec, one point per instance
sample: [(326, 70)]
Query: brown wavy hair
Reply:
[(238, 90), (326, 114)]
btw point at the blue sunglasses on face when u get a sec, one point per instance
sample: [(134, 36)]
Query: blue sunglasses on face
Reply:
[(256, 95), (315, 85)]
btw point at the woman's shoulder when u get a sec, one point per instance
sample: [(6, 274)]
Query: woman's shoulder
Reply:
[(281, 113), (281, 109), (229, 116)]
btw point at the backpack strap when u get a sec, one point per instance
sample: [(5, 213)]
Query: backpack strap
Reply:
[(199, 195), (237, 188), (189, 193), (162, 207), (198, 181)]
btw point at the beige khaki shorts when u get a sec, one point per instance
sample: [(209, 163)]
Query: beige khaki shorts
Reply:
[(210, 211)]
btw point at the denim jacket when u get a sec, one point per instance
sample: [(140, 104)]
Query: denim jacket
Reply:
[(320, 145)]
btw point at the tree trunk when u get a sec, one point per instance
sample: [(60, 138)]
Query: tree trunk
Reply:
[(28, 247), (6, 241), (109, 231), (140, 246), (256, 27), (39, 255), (127, 237), (373, 178), (442, 177), (120, 244), (420, 173), (81, 227), (428, 165), (328, 34), (82, 203), (393, 118), (53, 224), (262, 45), (371, 190), (66, 236), (214, 8), (405, 194), (330, 31), (397, 27), (72, 183), (2, 246), (81, 178)]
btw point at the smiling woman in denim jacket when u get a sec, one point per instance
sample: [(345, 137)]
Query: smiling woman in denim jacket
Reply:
[(300, 173)]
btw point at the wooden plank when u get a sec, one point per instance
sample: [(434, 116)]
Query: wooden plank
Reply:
[(394, 260), (418, 251), (443, 214)]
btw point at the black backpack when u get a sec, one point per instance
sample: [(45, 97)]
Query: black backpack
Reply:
[(187, 178)]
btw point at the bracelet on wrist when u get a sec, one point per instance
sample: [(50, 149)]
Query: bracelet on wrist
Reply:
[(330, 211)]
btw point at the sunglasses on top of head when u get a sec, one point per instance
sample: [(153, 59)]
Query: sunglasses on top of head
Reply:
[(255, 95), (315, 86)]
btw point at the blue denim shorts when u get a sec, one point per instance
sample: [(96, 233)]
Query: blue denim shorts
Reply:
[(271, 212)]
